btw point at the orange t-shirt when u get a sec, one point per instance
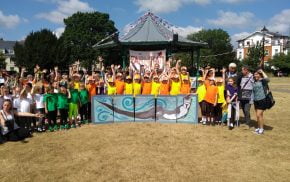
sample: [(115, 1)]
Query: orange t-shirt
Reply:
[(211, 94), (146, 88), (206, 83), (120, 85), (164, 88), (185, 88), (91, 89)]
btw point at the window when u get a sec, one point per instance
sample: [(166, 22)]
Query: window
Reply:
[(276, 51), (248, 43), (266, 52)]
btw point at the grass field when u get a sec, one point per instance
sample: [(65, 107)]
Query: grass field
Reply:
[(157, 152)]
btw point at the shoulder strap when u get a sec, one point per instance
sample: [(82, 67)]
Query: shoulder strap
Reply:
[(247, 82)]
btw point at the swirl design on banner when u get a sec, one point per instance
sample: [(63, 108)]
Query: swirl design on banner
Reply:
[(162, 103), (128, 103), (103, 114), (149, 104)]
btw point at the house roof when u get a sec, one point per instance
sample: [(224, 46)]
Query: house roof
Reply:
[(7, 45), (267, 33), (150, 30)]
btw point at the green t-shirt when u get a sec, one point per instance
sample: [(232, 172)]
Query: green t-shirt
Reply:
[(75, 97), (51, 101), (62, 101), (84, 96)]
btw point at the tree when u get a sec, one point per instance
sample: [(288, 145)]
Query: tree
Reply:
[(282, 62), (254, 56), (39, 48), (2, 61), (219, 42), (82, 31)]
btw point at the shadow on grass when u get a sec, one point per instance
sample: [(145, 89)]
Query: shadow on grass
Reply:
[(254, 123)]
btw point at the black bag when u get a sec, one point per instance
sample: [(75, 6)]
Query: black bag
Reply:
[(269, 100)]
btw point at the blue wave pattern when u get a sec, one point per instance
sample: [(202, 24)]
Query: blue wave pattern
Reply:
[(124, 103), (144, 104), (128, 103), (102, 113)]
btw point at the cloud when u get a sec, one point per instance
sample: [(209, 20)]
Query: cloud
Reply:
[(64, 9), (9, 21), (58, 32), (185, 31), (231, 19), (238, 36), (160, 6), (280, 22), (235, 1)]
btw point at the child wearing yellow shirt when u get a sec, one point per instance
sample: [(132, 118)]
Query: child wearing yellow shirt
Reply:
[(155, 86), (128, 86), (201, 92), (175, 85), (137, 85)]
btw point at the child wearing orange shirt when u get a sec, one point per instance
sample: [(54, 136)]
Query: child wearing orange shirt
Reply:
[(120, 84), (211, 100), (146, 85), (164, 86), (185, 86)]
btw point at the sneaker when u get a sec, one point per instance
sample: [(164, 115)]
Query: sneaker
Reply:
[(39, 129), (261, 131), (73, 126), (204, 122), (61, 127), (50, 128), (66, 126), (55, 128), (256, 130), (231, 126)]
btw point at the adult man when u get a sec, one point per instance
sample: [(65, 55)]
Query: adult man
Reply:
[(232, 71), (245, 92)]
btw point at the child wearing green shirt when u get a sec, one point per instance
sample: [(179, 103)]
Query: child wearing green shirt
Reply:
[(74, 102), (62, 104), (50, 106), (84, 99)]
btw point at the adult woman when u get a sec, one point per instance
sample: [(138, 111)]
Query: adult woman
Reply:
[(10, 131), (259, 91)]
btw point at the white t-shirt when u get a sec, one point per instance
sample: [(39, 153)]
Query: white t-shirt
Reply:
[(39, 101), (7, 97), (24, 105)]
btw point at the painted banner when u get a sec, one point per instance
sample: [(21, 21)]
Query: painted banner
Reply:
[(102, 109), (187, 108), (144, 108), (123, 108), (166, 109), (147, 58)]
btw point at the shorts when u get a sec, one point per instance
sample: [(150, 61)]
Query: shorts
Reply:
[(260, 104), (209, 109), (73, 110)]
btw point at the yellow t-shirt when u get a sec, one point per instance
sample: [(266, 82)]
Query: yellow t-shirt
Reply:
[(136, 88), (175, 88), (183, 76), (155, 88), (221, 94), (201, 91), (111, 90), (77, 85), (128, 88)]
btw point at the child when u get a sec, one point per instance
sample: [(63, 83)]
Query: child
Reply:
[(92, 89), (128, 85), (201, 92), (211, 100), (84, 100), (50, 106), (111, 87), (233, 104), (73, 107), (24, 106), (155, 86), (120, 84), (39, 105), (164, 86), (146, 84), (175, 84), (62, 105), (185, 86), (221, 97), (137, 85)]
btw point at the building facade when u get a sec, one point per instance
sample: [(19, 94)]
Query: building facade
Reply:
[(7, 48), (274, 43)]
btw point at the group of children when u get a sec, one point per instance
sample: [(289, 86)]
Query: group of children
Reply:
[(218, 99)]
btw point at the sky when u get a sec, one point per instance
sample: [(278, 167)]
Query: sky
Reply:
[(238, 17)]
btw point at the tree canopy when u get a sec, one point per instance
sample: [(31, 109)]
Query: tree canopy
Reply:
[(2, 61), (82, 31), (282, 62), (39, 48), (219, 42)]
